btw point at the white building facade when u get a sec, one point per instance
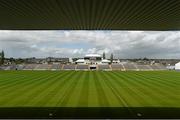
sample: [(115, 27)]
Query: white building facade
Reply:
[(177, 66), (92, 59)]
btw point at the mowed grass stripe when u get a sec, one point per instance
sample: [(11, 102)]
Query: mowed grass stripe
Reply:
[(170, 80), (33, 90), (114, 98), (10, 89), (170, 94), (93, 95), (65, 100), (76, 95), (149, 89), (41, 91), (161, 81), (168, 74), (52, 93), (16, 80), (109, 82), (130, 90), (158, 83), (20, 91), (54, 96), (125, 88), (8, 73), (89, 88), (136, 96), (154, 90), (102, 96), (20, 82), (10, 79), (29, 87), (83, 97)]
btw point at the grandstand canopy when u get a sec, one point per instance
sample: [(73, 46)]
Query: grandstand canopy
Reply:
[(90, 14)]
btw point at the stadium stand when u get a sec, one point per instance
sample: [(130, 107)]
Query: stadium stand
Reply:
[(7, 68), (158, 67), (20, 67), (144, 67), (69, 67), (2, 67), (82, 67), (154, 67), (30, 66), (129, 66), (55, 66), (11, 67), (117, 67), (103, 67), (122, 66), (162, 67), (42, 67)]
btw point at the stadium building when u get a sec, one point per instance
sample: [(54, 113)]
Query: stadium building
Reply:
[(177, 66), (92, 59)]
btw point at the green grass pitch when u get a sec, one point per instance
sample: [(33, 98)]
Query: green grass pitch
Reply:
[(89, 89)]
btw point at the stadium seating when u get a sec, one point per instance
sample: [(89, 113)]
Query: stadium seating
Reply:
[(144, 67), (103, 67), (82, 67), (158, 67), (69, 67), (3, 67), (162, 67), (117, 67), (10, 67), (30, 66), (20, 67), (42, 67), (55, 66), (154, 67), (122, 66), (129, 66)]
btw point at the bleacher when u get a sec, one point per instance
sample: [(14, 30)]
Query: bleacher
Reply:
[(11, 67), (55, 66), (154, 67), (162, 67), (103, 67), (122, 66), (117, 67), (158, 67), (42, 67), (129, 66), (82, 67), (20, 67), (69, 67), (144, 67), (30, 66), (3, 67)]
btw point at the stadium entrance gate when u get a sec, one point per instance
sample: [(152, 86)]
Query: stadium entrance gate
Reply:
[(92, 67)]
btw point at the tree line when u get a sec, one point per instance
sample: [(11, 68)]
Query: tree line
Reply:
[(2, 57), (111, 56)]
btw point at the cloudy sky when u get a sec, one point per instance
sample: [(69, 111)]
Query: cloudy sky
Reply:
[(124, 44)]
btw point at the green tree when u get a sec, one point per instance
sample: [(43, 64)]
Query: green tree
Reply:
[(12, 60), (104, 55), (111, 58), (2, 57)]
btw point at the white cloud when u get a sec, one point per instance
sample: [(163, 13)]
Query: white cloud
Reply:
[(124, 44)]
